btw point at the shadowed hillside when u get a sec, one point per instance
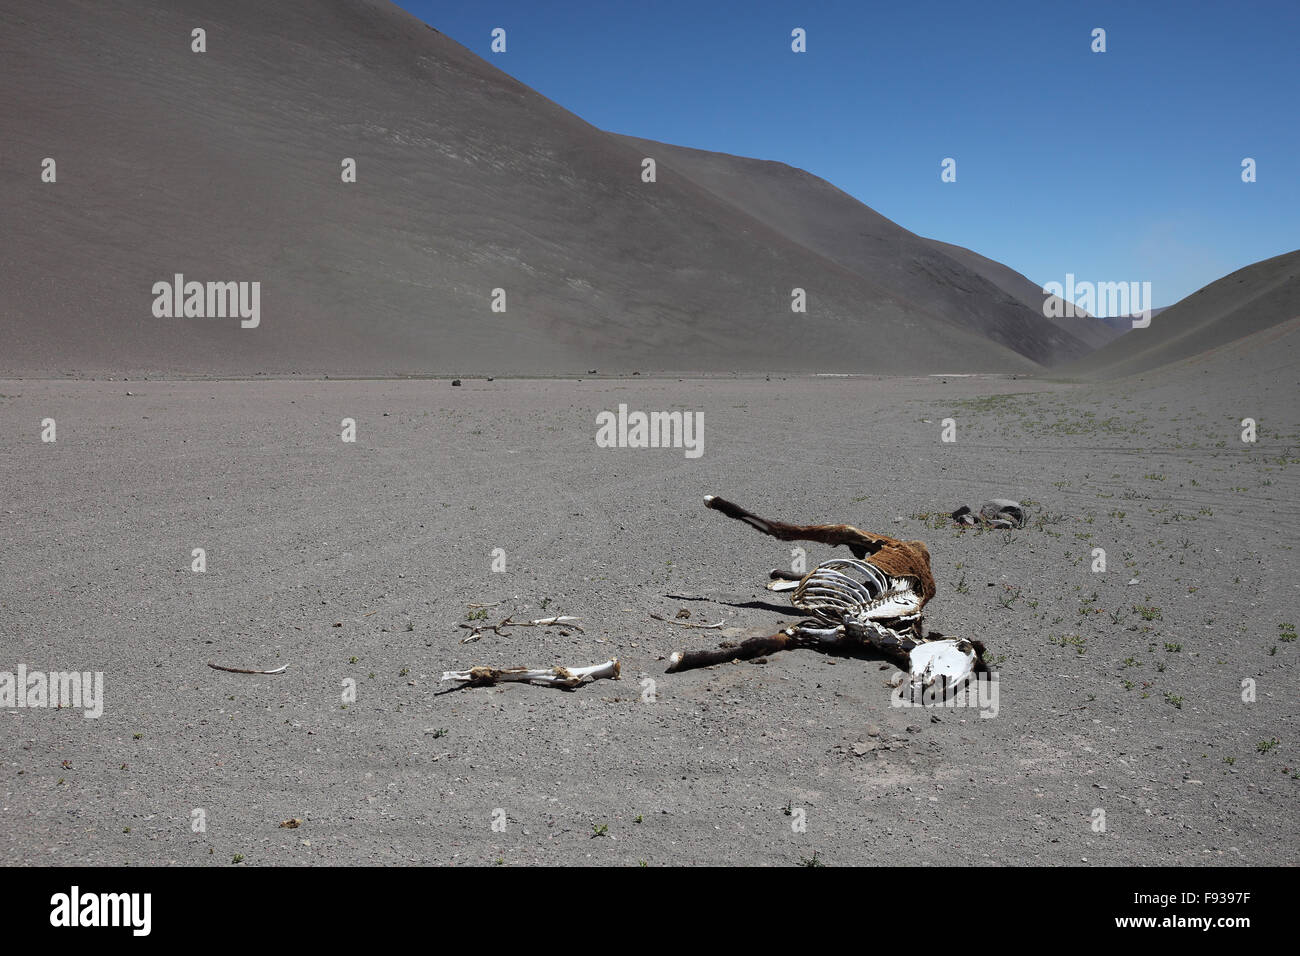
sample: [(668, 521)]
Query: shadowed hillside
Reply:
[(982, 295), (224, 166), (1234, 315), (1095, 331)]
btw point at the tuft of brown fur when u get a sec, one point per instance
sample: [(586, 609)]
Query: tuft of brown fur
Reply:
[(899, 559)]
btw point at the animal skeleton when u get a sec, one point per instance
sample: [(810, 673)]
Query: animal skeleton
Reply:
[(877, 597)]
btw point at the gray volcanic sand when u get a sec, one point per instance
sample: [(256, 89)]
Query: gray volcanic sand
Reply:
[(359, 561)]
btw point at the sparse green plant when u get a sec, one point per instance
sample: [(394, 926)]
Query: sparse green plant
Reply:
[(1069, 640)]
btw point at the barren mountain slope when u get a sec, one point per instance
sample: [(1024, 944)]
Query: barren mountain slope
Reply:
[(225, 166), (1250, 301)]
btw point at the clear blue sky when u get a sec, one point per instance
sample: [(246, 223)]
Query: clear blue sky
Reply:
[(1116, 166)]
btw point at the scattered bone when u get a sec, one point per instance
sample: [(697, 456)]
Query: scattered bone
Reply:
[(568, 623), (690, 624), (567, 677), (548, 621), (241, 670), (1003, 509), (997, 513)]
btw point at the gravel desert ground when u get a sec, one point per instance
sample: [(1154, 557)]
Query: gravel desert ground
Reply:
[(250, 243), (1120, 693)]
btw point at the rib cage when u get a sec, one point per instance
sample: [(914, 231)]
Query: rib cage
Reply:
[(863, 593)]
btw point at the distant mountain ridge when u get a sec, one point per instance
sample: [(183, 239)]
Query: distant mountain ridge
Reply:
[(1239, 306), (471, 190), (981, 295)]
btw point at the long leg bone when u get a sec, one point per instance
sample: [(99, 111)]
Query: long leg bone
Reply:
[(860, 542), (550, 676), (942, 663), (813, 634), (744, 651), (897, 559)]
